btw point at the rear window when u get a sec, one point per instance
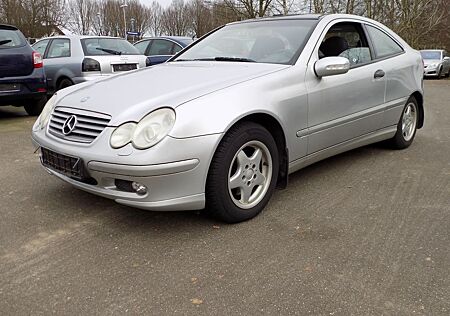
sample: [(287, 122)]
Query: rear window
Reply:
[(11, 38), (107, 46)]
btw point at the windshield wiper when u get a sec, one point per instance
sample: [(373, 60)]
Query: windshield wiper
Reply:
[(109, 51), (5, 42), (221, 58), (239, 59)]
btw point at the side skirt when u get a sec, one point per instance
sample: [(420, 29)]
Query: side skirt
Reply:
[(360, 141)]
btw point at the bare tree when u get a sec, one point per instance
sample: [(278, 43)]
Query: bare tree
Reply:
[(176, 19), (82, 16), (156, 18)]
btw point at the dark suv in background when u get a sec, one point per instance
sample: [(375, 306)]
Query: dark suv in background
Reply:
[(22, 78)]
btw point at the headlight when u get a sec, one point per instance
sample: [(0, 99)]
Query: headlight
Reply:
[(122, 135), (153, 128), (42, 120), (147, 133)]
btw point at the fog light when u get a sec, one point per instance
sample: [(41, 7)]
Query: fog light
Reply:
[(139, 188)]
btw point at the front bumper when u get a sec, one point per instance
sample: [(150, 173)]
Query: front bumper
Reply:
[(174, 171), (431, 72)]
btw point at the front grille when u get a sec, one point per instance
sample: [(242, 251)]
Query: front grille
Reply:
[(88, 124), (67, 165)]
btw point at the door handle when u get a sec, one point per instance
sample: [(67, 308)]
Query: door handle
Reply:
[(379, 74)]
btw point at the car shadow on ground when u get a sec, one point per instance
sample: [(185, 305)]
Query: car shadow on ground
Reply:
[(7, 112)]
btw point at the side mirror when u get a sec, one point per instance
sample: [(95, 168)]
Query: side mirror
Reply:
[(330, 66), (446, 58)]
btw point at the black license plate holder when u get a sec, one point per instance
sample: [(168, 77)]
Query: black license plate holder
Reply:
[(9, 87), (124, 67), (69, 166)]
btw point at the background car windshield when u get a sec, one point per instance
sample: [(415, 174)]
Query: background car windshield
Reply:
[(11, 38), (430, 55), (107, 46), (275, 41)]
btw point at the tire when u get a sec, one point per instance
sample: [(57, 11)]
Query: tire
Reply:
[(35, 107), (407, 125), (247, 155), (439, 74), (64, 84), (448, 73)]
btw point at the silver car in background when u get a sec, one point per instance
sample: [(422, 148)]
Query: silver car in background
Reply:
[(436, 63), (221, 126), (74, 59)]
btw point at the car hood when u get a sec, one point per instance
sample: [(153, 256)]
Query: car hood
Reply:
[(130, 96)]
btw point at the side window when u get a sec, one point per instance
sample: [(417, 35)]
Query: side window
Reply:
[(176, 48), (41, 46), (346, 40), (142, 46), (161, 47), (383, 44), (59, 47)]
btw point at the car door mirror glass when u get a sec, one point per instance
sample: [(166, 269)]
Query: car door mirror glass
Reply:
[(330, 66)]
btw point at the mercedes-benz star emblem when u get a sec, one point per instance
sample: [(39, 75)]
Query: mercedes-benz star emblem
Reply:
[(69, 125)]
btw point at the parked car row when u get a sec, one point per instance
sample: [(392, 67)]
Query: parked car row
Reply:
[(29, 74)]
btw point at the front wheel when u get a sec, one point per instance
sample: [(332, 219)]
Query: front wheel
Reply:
[(407, 126), (243, 173)]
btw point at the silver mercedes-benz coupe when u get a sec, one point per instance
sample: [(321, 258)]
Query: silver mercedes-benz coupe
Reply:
[(223, 123)]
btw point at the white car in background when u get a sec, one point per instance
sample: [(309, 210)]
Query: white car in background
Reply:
[(436, 63)]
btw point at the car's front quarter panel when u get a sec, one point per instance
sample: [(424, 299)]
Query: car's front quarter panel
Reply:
[(281, 95)]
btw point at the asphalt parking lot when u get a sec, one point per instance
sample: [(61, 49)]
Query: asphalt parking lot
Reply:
[(363, 233)]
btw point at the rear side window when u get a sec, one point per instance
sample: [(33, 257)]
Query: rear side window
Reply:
[(59, 48), (383, 44), (142, 46), (10, 38), (161, 47), (177, 48), (41, 46), (107, 46)]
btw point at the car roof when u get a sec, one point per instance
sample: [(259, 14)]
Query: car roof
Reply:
[(8, 27), (177, 39), (80, 37)]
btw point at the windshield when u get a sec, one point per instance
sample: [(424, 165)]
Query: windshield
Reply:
[(427, 54), (272, 41), (107, 46), (11, 38)]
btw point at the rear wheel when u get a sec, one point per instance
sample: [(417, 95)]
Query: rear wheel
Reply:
[(407, 126), (243, 173), (35, 107), (64, 84)]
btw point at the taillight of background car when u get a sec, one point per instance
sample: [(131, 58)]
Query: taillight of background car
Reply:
[(90, 64), (37, 60)]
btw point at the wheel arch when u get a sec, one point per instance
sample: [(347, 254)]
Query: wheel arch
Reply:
[(419, 98), (276, 130), (61, 78)]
